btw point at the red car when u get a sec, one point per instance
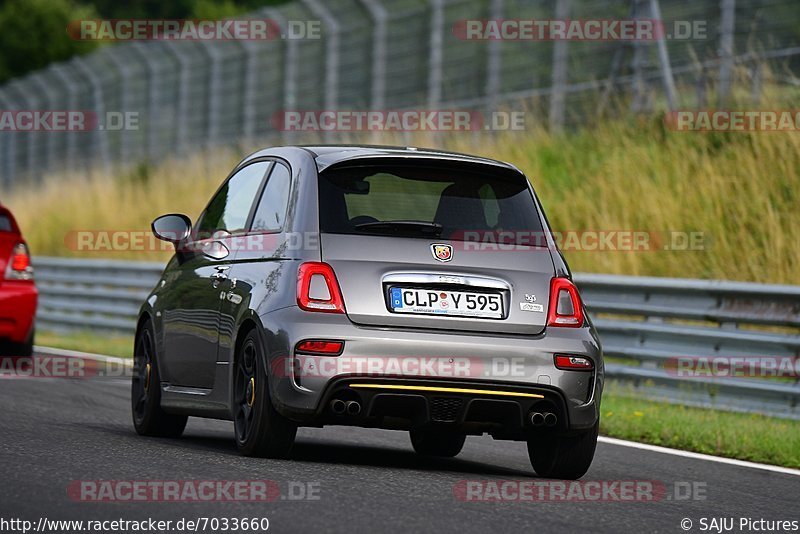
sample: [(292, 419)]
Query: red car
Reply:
[(18, 293)]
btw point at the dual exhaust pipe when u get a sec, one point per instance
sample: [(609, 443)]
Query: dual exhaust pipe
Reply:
[(340, 407), (353, 408), (543, 419)]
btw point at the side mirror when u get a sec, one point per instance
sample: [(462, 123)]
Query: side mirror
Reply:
[(173, 227)]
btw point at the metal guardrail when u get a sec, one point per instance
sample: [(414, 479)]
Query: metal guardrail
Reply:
[(644, 323), (647, 323)]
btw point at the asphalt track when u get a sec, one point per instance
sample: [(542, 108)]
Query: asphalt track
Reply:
[(55, 433)]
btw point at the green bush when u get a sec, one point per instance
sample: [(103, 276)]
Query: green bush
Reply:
[(33, 34)]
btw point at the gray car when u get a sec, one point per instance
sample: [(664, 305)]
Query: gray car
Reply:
[(395, 288)]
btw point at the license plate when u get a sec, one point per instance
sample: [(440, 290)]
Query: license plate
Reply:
[(450, 303)]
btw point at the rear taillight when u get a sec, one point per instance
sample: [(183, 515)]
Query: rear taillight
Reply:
[(567, 362), (318, 289), (324, 348), (19, 265), (565, 304)]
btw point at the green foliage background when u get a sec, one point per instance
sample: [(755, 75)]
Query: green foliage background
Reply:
[(33, 33)]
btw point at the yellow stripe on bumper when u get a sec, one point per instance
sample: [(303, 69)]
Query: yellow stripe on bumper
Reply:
[(449, 390)]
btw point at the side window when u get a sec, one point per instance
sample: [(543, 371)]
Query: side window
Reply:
[(271, 210), (5, 224), (229, 209)]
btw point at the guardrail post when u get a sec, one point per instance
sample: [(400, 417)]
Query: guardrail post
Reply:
[(559, 74), (8, 145), (726, 29), (249, 90), (639, 103), (756, 74), (332, 51), (182, 105), (100, 145), (289, 68), (494, 59), (700, 85), (378, 68), (124, 87), (48, 153), (152, 99), (663, 57), (214, 92), (25, 140), (436, 54)]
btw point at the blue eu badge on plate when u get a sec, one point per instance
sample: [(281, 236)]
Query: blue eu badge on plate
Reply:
[(397, 298)]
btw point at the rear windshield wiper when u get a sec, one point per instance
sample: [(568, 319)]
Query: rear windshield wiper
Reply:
[(401, 227)]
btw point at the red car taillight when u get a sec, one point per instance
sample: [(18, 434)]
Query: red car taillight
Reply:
[(19, 265), (565, 304), (566, 362), (317, 288), (323, 348)]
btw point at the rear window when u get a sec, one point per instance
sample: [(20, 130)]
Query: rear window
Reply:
[(5, 224), (413, 201)]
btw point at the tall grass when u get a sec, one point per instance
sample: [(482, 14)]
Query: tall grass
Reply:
[(739, 190)]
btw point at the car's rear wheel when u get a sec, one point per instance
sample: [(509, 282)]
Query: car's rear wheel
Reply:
[(564, 457), (434, 442), (260, 430), (149, 418)]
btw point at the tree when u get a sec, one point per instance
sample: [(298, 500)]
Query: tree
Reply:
[(33, 34)]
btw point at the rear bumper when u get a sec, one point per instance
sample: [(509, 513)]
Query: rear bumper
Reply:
[(491, 383), (17, 310), (473, 407)]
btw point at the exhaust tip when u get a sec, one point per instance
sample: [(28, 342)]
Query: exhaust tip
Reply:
[(537, 419), (353, 408), (338, 406), (550, 419)]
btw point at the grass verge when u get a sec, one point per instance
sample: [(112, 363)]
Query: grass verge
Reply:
[(87, 341), (736, 192), (751, 437), (742, 436)]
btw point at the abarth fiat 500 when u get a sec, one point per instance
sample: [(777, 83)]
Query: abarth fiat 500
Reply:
[(394, 288)]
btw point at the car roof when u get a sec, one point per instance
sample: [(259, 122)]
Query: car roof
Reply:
[(327, 155)]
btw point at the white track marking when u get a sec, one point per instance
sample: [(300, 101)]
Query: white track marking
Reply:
[(698, 456), (48, 351)]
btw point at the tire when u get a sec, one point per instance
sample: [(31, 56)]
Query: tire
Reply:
[(567, 457), (24, 349), (148, 417), (439, 443), (259, 429)]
